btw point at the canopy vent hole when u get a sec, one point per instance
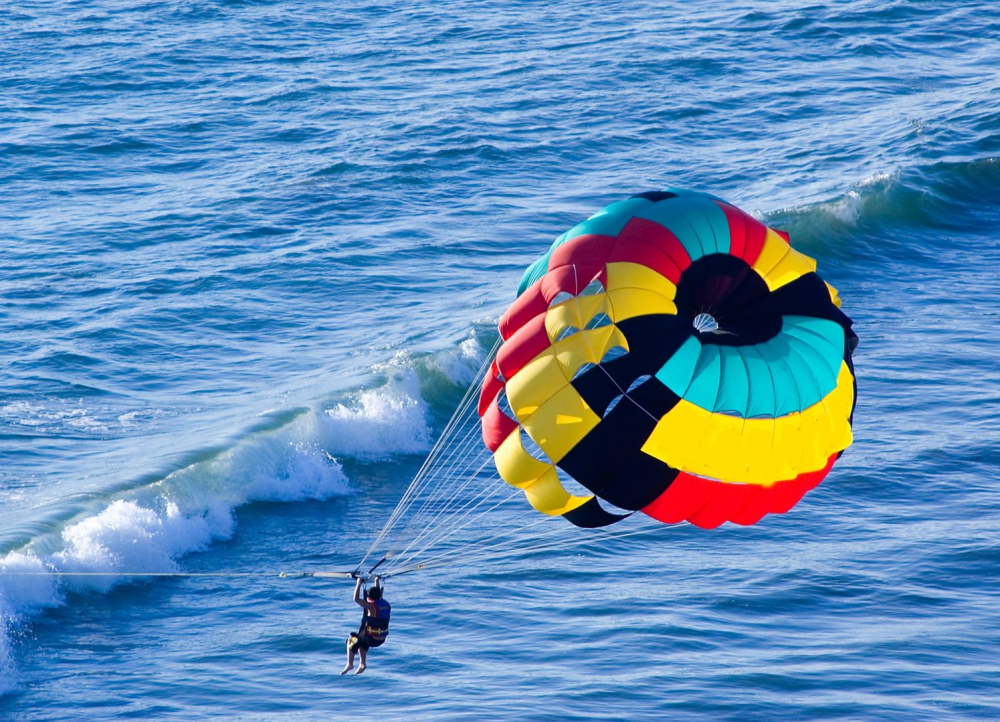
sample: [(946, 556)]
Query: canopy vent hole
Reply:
[(705, 323)]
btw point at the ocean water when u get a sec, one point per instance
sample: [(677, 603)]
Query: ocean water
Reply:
[(251, 257)]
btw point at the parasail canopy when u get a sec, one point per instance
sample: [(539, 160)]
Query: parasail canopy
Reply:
[(670, 355)]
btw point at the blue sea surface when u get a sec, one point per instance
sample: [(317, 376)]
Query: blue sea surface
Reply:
[(252, 254)]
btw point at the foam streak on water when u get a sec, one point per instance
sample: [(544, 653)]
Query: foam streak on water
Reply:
[(251, 254)]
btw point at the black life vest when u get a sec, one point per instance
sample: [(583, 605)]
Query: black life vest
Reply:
[(375, 625)]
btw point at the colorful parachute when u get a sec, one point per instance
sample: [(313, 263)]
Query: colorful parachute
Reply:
[(674, 356)]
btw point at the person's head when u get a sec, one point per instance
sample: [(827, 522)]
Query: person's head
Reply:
[(374, 593)]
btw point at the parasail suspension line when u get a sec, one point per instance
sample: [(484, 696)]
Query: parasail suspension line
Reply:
[(424, 475)]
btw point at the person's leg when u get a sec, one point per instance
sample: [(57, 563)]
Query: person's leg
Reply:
[(351, 649), (364, 660)]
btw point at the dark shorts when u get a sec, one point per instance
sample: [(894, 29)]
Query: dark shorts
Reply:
[(358, 642)]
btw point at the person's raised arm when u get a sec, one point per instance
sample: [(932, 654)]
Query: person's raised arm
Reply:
[(359, 600)]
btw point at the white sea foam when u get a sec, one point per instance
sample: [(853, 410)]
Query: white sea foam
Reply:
[(377, 423)]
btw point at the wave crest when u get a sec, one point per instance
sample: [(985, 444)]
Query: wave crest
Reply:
[(880, 217)]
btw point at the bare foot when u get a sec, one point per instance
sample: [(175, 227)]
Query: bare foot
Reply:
[(361, 669), (348, 668)]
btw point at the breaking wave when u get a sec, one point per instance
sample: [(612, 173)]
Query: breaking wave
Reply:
[(295, 455)]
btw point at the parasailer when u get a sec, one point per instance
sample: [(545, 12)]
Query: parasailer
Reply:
[(374, 624), (670, 355)]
